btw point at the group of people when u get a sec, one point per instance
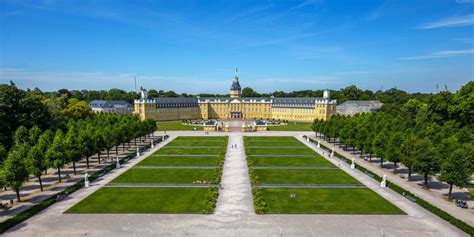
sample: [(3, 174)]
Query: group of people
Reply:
[(234, 146), (461, 204)]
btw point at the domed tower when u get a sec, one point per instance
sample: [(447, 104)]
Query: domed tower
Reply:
[(235, 89)]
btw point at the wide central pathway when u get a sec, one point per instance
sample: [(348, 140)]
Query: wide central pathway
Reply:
[(235, 197)]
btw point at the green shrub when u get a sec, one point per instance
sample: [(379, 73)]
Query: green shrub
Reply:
[(211, 200), (258, 201), (254, 179)]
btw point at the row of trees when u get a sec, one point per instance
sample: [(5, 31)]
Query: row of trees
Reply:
[(34, 151), (432, 138)]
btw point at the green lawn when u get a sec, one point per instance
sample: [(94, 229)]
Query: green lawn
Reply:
[(186, 151), (143, 200), (268, 138), (274, 143), (175, 126), (292, 126), (221, 143), (326, 201), (280, 151), (167, 176), (304, 176), (288, 161), (201, 138), (181, 161)]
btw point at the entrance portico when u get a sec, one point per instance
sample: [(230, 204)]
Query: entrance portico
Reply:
[(237, 115)]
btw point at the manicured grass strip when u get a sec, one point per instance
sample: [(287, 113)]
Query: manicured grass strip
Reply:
[(168, 175), (143, 200), (272, 138), (303, 176), (220, 143), (178, 151), (326, 201), (273, 143), (288, 151), (176, 126), (292, 126), (288, 161), (205, 138), (182, 161)]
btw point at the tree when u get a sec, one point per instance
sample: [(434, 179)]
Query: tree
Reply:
[(77, 110), (3, 153), (55, 153), (249, 92), (379, 145), (73, 150), (392, 152), (425, 159), (15, 171), (407, 153), (33, 135), (44, 142), (20, 136), (457, 169), (36, 163)]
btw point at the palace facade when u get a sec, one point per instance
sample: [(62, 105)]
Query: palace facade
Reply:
[(235, 107)]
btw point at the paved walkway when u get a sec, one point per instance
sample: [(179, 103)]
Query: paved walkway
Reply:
[(231, 218), (235, 199), (431, 196)]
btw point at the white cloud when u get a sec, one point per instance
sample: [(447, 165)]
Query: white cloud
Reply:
[(442, 54), (450, 22)]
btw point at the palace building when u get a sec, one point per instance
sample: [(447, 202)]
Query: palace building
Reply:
[(235, 107)]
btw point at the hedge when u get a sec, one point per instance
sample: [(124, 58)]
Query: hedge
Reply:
[(7, 224), (433, 209)]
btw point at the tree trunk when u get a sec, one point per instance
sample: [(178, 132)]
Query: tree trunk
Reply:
[(98, 157), (87, 162), (361, 151), (17, 191), (394, 167), (409, 173), (116, 150), (74, 166), (426, 180), (59, 174), (381, 162), (135, 140), (129, 144), (108, 157), (40, 182), (450, 191), (370, 156)]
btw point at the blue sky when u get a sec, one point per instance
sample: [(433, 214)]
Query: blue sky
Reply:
[(194, 46)]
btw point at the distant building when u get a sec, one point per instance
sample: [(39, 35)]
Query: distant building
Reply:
[(235, 107), (352, 107), (111, 106)]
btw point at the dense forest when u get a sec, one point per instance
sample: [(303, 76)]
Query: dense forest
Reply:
[(348, 93), (433, 135)]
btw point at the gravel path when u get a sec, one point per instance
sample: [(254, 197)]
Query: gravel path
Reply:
[(235, 199)]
